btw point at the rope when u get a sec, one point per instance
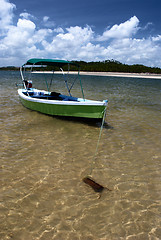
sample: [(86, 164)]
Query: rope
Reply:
[(100, 133)]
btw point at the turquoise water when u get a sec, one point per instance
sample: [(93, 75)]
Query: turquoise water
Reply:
[(43, 160)]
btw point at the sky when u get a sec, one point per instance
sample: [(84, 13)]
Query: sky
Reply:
[(128, 31)]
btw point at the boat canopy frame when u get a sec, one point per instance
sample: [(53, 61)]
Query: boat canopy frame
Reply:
[(35, 62)]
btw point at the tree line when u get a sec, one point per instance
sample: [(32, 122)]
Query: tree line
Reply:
[(115, 66), (102, 66)]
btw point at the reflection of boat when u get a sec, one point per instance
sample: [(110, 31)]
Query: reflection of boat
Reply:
[(54, 103)]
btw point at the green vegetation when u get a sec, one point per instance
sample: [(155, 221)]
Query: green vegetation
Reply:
[(104, 66), (115, 66), (9, 68), (111, 66)]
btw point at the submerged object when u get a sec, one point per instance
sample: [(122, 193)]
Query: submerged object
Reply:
[(96, 186)]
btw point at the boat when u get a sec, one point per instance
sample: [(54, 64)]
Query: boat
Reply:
[(55, 103)]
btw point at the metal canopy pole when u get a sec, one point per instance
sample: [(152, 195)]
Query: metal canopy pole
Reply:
[(23, 80), (66, 82)]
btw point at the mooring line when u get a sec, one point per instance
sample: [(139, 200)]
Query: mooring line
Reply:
[(100, 133)]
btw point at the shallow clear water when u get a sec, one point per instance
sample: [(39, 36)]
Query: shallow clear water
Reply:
[(43, 160)]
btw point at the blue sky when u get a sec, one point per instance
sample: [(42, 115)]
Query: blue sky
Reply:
[(128, 31)]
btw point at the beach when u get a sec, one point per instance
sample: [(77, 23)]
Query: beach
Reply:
[(119, 74), (109, 74)]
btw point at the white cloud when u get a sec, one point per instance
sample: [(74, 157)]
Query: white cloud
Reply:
[(26, 15), (26, 25), (126, 29), (138, 51), (21, 41), (59, 30), (6, 14), (19, 36), (92, 52), (68, 44), (45, 18), (76, 35), (47, 22), (157, 38)]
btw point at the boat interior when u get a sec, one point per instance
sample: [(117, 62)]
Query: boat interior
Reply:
[(40, 94)]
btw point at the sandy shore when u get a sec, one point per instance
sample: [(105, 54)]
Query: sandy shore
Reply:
[(112, 74)]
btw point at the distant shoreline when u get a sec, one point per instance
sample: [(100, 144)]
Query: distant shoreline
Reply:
[(109, 74)]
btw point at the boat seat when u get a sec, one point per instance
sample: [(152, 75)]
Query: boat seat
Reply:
[(55, 94)]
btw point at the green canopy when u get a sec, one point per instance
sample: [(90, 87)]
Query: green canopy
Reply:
[(48, 62)]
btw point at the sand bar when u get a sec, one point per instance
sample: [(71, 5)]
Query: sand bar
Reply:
[(110, 74)]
